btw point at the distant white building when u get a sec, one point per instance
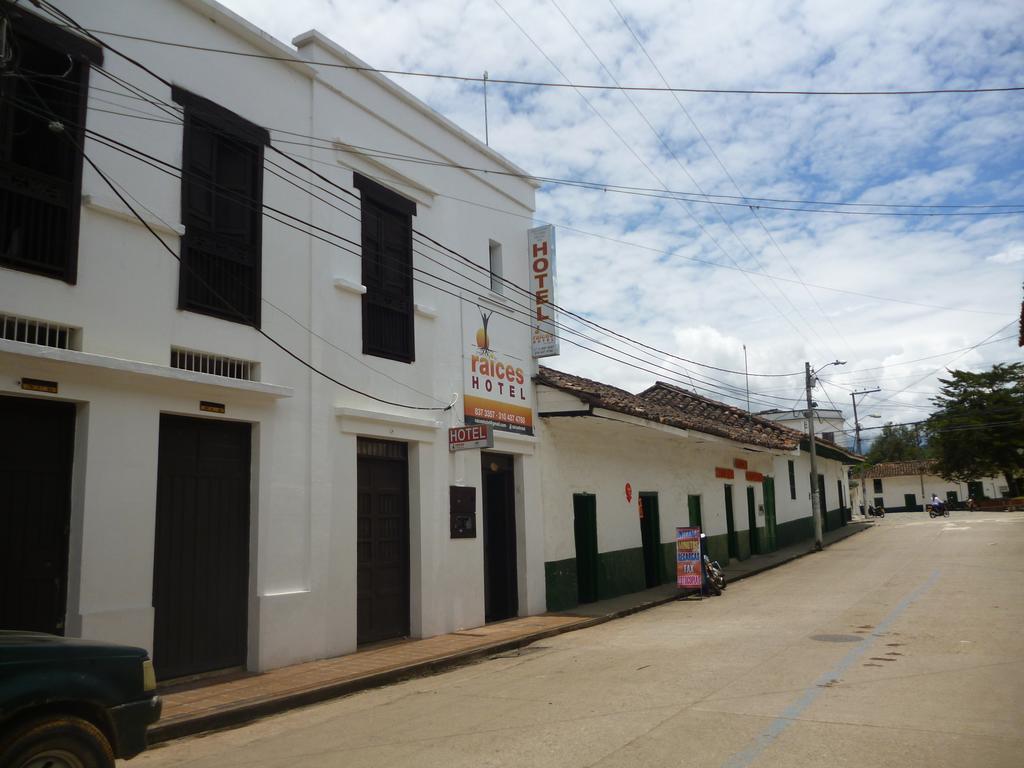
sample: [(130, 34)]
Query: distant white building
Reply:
[(828, 422), (173, 473), (907, 486)]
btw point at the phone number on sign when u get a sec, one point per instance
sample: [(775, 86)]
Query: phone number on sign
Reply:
[(507, 418)]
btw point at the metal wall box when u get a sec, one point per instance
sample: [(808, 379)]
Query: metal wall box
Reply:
[(463, 512)]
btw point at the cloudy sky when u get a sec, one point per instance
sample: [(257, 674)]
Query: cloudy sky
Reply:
[(698, 280)]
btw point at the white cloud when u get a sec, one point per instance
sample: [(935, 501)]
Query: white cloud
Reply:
[(948, 149)]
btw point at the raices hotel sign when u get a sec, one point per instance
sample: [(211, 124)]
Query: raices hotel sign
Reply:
[(541, 247), (497, 383)]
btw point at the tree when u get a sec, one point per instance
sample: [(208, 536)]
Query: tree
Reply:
[(978, 429), (896, 443)]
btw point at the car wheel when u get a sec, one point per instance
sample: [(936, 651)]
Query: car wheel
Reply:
[(57, 742)]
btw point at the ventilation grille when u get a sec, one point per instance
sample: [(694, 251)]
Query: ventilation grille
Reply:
[(39, 332), (216, 365)]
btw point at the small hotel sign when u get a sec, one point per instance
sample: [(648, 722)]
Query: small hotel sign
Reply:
[(472, 436)]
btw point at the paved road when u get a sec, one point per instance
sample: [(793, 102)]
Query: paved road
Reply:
[(902, 646)]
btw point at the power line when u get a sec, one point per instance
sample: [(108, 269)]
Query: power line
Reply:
[(707, 233), (740, 201), (731, 391), (711, 149), (543, 84)]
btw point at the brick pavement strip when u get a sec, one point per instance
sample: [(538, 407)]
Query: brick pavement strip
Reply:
[(232, 702)]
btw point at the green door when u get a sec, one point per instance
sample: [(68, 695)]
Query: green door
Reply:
[(584, 510), (909, 502), (768, 489), (650, 536), (951, 498), (822, 502), (693, 503), (755, 546), (975, 490), (730, 525)]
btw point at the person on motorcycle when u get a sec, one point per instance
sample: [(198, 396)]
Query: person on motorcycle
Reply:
[(937, 504)]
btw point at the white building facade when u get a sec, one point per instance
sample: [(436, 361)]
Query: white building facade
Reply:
[(907, 486), (620, 472), (193, 478)]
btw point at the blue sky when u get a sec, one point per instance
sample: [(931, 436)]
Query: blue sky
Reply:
[(678, 265)]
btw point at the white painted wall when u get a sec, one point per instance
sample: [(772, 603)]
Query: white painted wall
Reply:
[(923, 486), (599, 456), (303, 575)]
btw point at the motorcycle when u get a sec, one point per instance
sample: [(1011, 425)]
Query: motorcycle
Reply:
[(713, 576), (872, 512), (938, 510)]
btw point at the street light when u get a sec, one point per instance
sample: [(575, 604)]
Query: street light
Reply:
[(809, 382)]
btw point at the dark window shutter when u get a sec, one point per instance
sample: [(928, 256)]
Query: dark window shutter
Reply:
[(388, 304), (222, 199), (41, 171)]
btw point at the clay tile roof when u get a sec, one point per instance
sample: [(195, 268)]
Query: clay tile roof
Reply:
[(675, 407), (900, 468)]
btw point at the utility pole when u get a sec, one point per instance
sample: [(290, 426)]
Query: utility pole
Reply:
[(815, 501), (809, 380), (487, 133), (856, 427)]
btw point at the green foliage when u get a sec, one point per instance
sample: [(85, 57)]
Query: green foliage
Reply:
[(896, 443), (978, 429)]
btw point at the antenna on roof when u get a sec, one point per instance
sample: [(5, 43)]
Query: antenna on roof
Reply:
[(746, 374)]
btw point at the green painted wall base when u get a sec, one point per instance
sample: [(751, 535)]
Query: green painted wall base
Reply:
[(620, 572), (560, 584), (793, 532)]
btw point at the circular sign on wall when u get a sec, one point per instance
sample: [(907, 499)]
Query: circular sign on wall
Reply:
[(629, 492)]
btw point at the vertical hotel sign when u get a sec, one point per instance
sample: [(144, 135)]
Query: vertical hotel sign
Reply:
[(497, 383), (688, 564), (541, 244)]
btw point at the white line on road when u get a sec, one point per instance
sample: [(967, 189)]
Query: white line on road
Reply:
[(793, 711)]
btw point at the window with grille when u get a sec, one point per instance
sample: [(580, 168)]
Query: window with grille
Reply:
[(215, 365), (388, 305), (14, 328), (42, 110), (877, 485), (222, 210), (792, 480)]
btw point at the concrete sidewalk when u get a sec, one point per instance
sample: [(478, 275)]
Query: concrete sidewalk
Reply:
[(208, 705)]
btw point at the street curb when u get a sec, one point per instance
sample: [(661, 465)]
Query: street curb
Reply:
[(798, 555), (240, 714)]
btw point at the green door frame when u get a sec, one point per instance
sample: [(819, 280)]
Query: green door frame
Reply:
[(755, 545), (584, 511), (693, 507), (650, 537), (823, 502), (768, 489), (730, 525)]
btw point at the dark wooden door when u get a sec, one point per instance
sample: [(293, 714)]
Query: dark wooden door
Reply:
[(584, 515), (501, 583), (650, 537), (382, 580), (201, 557), (755, 545), (35, 511), (730, 525)]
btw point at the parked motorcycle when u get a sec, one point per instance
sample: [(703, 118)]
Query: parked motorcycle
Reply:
[(714, 576), (872, 512)]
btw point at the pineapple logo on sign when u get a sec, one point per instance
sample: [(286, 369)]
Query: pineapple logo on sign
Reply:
[(496, 385)]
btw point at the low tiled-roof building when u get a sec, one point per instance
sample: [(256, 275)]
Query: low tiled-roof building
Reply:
[(906, 486), (621, 471)]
